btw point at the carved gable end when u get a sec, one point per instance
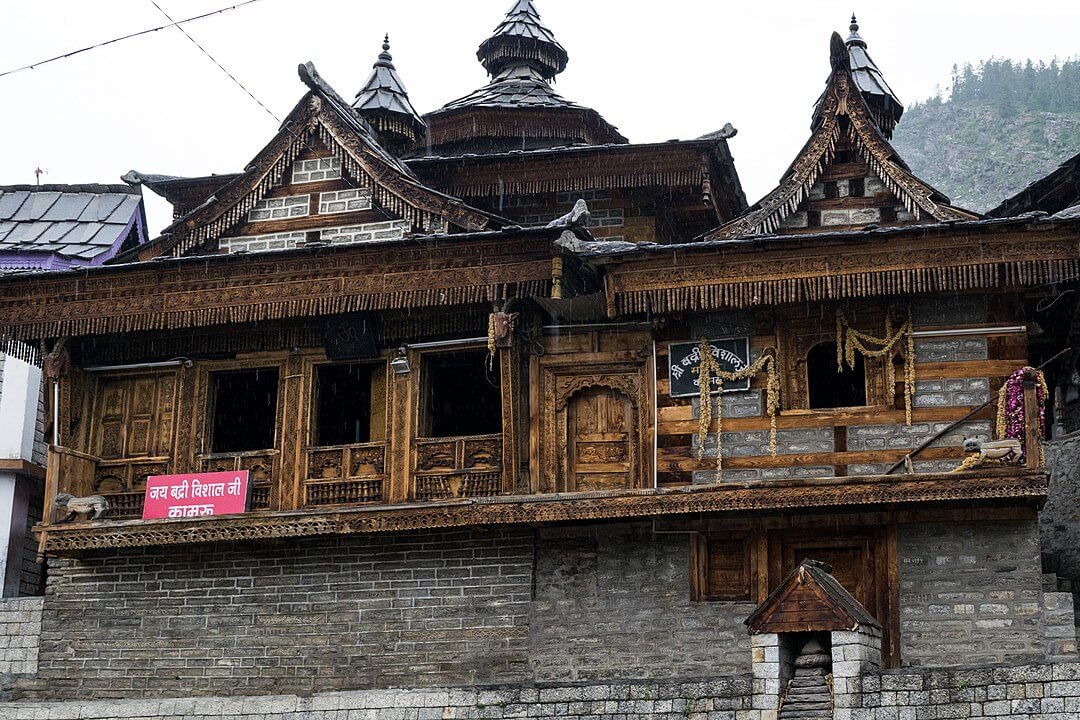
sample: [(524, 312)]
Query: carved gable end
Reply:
[(324, 167), (809, 599), (846, 176)]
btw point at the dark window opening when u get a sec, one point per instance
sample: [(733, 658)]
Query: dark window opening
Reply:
[(245, 410), (461, 396), (831, 190), (349, 403), (856, 187), (813, 218), (842, 156), (888, 214), (832, 389)]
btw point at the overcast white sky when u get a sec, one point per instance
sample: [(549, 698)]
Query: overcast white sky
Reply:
[(657, 70)]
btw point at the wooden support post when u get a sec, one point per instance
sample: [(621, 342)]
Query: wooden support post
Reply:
[(1032, 451)]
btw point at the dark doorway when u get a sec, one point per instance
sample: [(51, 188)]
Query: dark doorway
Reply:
[(829, 388), (343, 397), (245, 410), (461, 395)]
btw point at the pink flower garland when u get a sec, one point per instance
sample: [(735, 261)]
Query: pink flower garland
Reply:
[(1010, 419)]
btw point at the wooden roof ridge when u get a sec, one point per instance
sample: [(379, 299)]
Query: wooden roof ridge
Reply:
[(324, 115), (809, 599), (841, 98)]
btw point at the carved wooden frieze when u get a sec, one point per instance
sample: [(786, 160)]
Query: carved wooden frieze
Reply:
[(1016, 486)]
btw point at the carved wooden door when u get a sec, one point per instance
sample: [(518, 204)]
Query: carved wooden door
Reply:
[(600, 440)]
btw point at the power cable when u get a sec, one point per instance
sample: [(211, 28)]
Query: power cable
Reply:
[(176, 24), (214, 60)]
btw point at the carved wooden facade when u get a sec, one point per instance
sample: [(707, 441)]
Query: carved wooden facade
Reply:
[(584, 425)]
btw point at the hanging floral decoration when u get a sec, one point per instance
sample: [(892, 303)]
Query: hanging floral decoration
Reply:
[(709, 368), (491, 342), (1010, 414), (849, 340)]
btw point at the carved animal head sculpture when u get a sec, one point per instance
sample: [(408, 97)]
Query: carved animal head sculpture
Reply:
[(93, 505), (504, 328)]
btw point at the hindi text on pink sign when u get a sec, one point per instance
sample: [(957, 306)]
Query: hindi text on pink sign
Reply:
[(196, 495)]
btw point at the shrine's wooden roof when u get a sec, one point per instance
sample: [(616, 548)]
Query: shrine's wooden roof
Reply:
[(809, 599)]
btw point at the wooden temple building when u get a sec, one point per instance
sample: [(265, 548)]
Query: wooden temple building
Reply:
[(498, 435)]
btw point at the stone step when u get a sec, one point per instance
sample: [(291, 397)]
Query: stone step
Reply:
[(821, 694), (822, 705), (785, 714)]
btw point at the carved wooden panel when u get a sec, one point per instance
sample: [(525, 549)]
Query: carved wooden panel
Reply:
[(132, 429), (593, 421), (458, 467), (344, 475)]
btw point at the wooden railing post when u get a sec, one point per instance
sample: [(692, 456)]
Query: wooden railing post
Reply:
[(1032, 451)]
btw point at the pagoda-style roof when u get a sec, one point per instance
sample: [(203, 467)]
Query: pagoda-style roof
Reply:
[(384, 102), (521, 38), (850, 114), (518, 109), (879, 97), (321, 118), (809, 599)]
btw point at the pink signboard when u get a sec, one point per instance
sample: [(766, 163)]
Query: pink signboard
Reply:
[(187, 496)]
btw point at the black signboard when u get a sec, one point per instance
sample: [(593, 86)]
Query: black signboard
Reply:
[(349, 337), (684, 361)]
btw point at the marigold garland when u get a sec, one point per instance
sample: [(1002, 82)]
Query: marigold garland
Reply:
[(849, 340), (491, 342), (708, 368)]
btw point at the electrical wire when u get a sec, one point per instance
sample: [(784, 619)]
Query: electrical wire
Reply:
[(88, 48), (215, 61)]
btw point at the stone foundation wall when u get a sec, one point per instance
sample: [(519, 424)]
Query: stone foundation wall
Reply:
[(597, 603), (614, 602), (974, 591), (412, 610), (1048, 692), (20, 630)]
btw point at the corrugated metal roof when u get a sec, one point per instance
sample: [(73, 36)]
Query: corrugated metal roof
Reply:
[(73, 221)]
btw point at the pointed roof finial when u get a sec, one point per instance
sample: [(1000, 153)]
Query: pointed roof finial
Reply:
[(855, 38), (383, 98), (521, 39)]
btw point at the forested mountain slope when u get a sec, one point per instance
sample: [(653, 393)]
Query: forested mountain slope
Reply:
[(1004, 125)]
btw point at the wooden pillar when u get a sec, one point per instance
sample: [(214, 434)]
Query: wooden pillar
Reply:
[(511, 412), (292, 432), (399, 443), (1032, 451)]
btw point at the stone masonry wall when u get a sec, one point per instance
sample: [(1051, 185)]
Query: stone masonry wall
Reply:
[(973, 591), (1059, 521), (20, 630), (420, 609), (412, 610), (1046, 692), (614, 602)]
